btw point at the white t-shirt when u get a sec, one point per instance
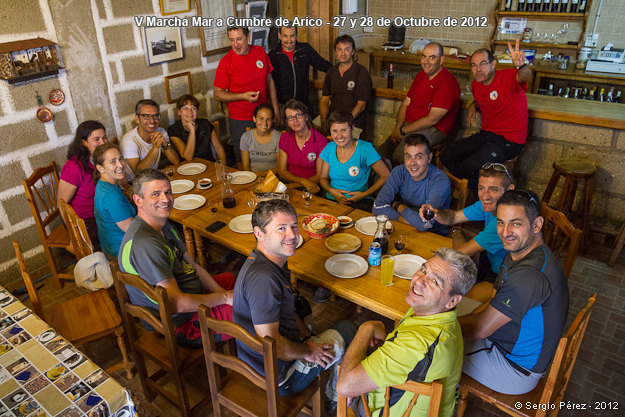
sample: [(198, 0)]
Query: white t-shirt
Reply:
[(132, 146)]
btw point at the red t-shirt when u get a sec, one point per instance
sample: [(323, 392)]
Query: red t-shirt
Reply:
[(442, 91), (241, 73), (289, 54), (504, 106)]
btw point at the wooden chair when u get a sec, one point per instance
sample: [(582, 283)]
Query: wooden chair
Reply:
[(618, 246), (550, 389), (82, 319), (41, 192), (433, 390), (459, 190), (159, 346), (557, 232), (243, 390), (77, 229)]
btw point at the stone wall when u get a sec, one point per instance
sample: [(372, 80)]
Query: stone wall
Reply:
[(105, 74)]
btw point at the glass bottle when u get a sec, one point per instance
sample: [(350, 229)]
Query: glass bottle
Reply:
[(564, 5), (618, 98), (610, 97), (546, 6), (550, 90), (582, 6), (574, 4), (381, 234), (529, 5), (521, 7), (601, 98), (537, 5), (391, 77), (227, 193), (555, 6), (591, 94)]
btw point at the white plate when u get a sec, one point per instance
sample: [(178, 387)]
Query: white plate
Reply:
[(301, 240), (181, 186), (189, 202), (466, 306), (407, 265), (346, 266), (241, 224), (368, 225), (191, 169), (242, 177)]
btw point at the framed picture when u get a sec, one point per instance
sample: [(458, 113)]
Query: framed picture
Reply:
[(177, 86), (255, 8), (162, 44), (213, 38), (174, 6), (258, 37)]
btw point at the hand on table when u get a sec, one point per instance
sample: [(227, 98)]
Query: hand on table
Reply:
[(355, 196), (339, 195), (314, 188)]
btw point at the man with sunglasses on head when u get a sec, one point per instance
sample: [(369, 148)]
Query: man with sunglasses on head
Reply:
[(143, 146), (510, 343), (494, 180), (500, 97)]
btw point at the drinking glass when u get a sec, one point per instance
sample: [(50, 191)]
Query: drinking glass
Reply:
[(220, 170), (251, 201), (169, 171), (428, 215), (307, 195), (400, 244), (388, 267)]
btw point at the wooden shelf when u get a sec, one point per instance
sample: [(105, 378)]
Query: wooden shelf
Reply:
[(544, 15), (541, 45)]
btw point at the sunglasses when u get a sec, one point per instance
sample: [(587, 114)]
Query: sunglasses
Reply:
[(496, 166)]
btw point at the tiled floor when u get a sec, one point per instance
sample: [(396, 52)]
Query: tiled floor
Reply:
[(597, 380)]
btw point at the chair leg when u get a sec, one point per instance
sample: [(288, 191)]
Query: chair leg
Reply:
[(462, 400), (188, 239), (588, 190), (121, 343), (620, 241), (551, 186), (199, 248), (317, 403), (52, 264)]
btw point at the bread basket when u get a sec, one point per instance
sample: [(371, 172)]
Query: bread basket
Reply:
[(320, 225)]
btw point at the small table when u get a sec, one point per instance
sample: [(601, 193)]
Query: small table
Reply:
[(43, 374)]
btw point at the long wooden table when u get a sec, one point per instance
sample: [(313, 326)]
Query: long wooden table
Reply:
[(309, 260)]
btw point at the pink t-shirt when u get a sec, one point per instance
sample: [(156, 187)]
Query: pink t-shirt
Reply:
[(503, 104), (241, 73), (302, 163), (83, 200)]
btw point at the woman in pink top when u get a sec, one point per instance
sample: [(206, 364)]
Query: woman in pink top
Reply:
[(76, 185), (300, 146)]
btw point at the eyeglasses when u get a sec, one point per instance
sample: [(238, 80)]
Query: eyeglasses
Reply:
[(481, 64), (295, 117), (145, 116), (498, 167)]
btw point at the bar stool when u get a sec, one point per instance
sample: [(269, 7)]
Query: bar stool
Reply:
[(573, 169)]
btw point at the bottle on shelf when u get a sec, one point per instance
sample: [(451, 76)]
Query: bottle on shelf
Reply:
[(560, 92), (576, 93), (546, 6), (521, 6), (555, 6), (574, 4), (566, 92), (582, 6), (391, 77), (601, 98), (584, 94), (529, 5), (508, 6), (618, 98), (550, 90), (537, 5), (610, 97), (591, 94), (564, 4)]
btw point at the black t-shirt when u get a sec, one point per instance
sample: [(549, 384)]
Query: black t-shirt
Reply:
[(203, 131), (534, 294), (346, 91), (263, 295)]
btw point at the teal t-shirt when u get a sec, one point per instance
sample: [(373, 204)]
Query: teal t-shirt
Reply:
[(110, 207), (352, 175), (421, 349)]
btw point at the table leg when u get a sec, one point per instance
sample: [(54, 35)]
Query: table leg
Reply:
[(199, 246), (188, 239)]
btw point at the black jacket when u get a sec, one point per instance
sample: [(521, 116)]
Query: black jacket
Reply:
[(291, 79)]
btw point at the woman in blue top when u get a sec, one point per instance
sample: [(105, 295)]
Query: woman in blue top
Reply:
[(113, 211), (346, 164)]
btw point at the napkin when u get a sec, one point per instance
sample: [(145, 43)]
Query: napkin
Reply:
[(272, 184)]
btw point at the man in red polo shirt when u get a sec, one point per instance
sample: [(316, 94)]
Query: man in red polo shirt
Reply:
[(430, 106), (243, 80), (501, 98)]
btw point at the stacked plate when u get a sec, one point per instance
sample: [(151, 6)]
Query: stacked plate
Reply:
[(343, 243)]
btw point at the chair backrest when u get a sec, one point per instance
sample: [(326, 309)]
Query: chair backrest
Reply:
[(41, 192), (566, 354), (77, 229), (434, 390), (459, 190), (31, 286), (266, 347), (557, 232), (162, 323)]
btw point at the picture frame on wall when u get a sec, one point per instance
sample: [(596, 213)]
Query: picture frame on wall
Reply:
[(175, 6), (258, 37), (178, 85), (162, 44)]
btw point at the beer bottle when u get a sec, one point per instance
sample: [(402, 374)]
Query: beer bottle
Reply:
[(550, 90), (391, 77), (521, 6), (564, 4), (574, 4)]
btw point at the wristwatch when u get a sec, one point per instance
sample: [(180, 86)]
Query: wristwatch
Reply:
[(522, 66)]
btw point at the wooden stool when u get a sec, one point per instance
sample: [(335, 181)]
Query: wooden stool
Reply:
[(510, 164), (618, 246), (573, 169)]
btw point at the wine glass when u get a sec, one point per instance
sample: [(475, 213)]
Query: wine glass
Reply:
[(220, 170), (251, 201), (400, 244), (428, 215), (307, 195), (169, 170)]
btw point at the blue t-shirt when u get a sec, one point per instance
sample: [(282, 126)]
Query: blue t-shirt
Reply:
[(111, 207), (488, 238), (352, 175), (434, 189)]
